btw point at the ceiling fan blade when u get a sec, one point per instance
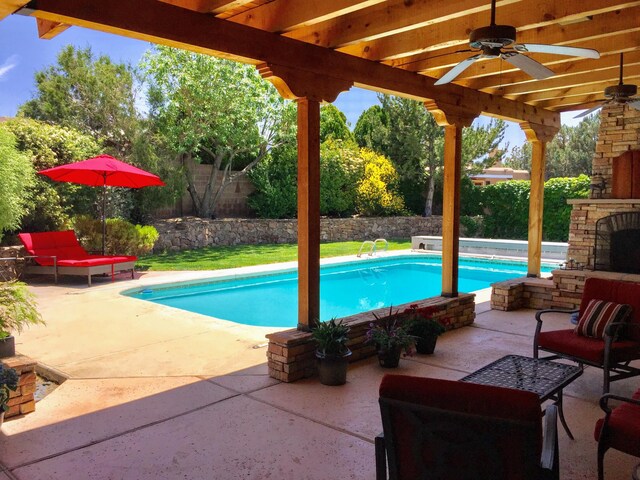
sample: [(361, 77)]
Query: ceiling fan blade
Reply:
[(590, 111), (527, 65), (635, 104), (557, 49), (457, 70)]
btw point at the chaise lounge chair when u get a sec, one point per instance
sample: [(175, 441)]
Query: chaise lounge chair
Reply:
[(60, 253)]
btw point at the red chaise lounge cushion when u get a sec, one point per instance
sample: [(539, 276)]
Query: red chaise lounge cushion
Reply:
[(625, 421), (65, 246)]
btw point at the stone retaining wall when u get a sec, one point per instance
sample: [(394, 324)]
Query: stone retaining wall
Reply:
[(291, 352), (22, 401), (191, 232)]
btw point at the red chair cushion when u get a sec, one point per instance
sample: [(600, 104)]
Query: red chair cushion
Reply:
[(614, 291), (623, 428), (598, 315), (483, 401), (590, 349)]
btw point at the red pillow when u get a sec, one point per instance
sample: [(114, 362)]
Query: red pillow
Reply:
[(598, 314)]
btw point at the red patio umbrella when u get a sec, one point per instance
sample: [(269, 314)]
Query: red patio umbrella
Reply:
[(103, 171)]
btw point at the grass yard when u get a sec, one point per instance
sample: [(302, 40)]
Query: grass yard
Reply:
[(216, 258)]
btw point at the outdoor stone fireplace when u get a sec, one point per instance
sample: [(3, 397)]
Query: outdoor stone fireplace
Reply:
[(605, 229)]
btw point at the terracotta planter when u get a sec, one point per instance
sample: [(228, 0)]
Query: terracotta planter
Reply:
[(7, 347), (426, 345), (389, 358), (332, 370)]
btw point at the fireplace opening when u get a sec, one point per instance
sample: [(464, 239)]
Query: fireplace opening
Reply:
[(617, 247)]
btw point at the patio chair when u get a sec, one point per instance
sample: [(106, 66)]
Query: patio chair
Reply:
[(446, 430), (611, 346), (619, 429), (60, 253)]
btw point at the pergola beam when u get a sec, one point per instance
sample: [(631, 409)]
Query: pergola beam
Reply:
[(169, 25)]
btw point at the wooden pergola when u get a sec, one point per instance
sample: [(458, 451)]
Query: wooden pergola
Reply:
[(313, 50)]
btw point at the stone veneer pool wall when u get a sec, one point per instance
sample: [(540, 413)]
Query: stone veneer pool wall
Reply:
[(291, 352)]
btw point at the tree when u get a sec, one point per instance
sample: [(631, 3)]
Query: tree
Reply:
[(333, 124), (50, 204), (16, 176), (569, 154), (519, 158), (91, 95), (414, 145), (480, 145), (212, 111), (371, 129)]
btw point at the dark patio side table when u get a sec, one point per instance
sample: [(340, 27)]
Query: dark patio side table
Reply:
[(544, 378)]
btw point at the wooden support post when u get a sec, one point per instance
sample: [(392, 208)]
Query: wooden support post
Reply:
[(308, 213), (453, 120), (539, 136), (309, 90), (451, 209)]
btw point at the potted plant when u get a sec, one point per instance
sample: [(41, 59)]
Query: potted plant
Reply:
[(391, 336), (17, 308), (424, 327), (332, 352), (8, 383)]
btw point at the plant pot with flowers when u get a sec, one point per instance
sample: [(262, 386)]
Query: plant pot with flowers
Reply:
[(391, 337), (8, 383), (332, 352), (18, 308), (424, 328)]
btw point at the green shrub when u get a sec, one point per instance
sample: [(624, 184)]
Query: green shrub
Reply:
[(275, 180), (506, 207), (340, 171), (557, 213), (471, 227), (123, 238)]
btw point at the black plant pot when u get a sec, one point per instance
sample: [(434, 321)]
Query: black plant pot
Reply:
[(332, 370), (426, 345), (389, 358), (7, 347)]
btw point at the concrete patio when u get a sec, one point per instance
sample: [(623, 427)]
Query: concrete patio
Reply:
[(157, 393)]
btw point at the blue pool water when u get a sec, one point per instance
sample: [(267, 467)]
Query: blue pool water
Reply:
[(345, 289)]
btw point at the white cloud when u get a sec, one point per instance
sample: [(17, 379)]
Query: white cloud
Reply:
[(8, 65)]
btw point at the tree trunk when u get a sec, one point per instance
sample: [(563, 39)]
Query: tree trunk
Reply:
[(428, 204)]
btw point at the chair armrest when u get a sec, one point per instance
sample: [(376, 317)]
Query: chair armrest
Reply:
[(381, 458), (549, 459), (604, 401), (610, 331), (539, 313)]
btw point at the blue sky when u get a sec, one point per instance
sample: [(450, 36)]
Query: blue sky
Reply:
[(22, 54)]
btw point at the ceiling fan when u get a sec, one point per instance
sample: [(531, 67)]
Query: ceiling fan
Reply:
[(617, 94), (498, 41)]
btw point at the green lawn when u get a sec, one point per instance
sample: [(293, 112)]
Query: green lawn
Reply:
[(216, 258)]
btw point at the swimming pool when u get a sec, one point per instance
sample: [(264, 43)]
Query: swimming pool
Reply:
[(345, 289)]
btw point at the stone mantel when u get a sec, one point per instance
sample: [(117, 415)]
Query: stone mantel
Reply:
[(603, 201)]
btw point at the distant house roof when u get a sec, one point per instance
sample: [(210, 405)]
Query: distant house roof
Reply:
[(490, 175)]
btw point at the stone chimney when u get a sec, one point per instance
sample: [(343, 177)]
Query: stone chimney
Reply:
[(619, 133)]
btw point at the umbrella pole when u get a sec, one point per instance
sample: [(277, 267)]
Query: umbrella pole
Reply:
[(104, 218)]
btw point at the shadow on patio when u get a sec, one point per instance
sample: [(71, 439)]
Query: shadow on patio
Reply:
[(246, 425)]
